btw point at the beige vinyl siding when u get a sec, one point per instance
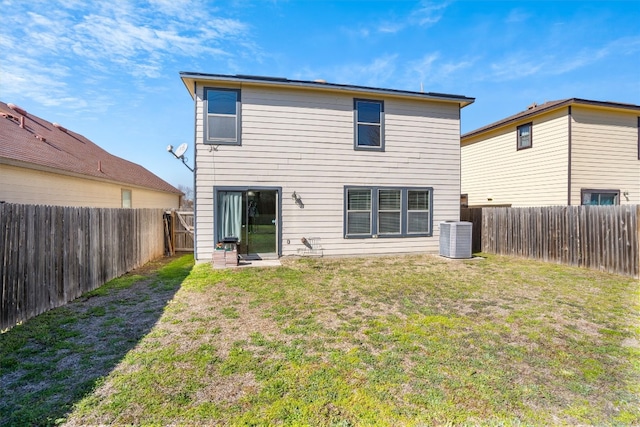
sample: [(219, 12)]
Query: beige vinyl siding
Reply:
[(30, 186), (302, 141), (492, 167), (605, 153)]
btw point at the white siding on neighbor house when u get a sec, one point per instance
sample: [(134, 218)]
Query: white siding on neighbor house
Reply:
[(302, 141), (605, 153), (492, 167), (31, 186)]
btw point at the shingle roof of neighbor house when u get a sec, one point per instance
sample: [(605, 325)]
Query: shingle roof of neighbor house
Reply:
[(25, 138), (189, 77), (535, 109)]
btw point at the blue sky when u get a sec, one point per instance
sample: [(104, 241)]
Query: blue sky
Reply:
[(108, 69)]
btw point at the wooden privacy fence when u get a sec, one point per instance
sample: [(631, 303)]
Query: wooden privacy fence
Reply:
[(50, 255), (599, 237)]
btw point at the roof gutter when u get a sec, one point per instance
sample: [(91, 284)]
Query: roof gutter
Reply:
[(463, 101), (544, 109), (523, 117), (569, 137)]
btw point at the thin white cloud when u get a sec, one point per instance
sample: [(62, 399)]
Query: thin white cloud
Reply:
[(516, 67), (525, 64), (377, 73), (426, 14), (20, 73), (429, 12), (77, 39), (181, 9), (517, 16), (391, 27), (432, 71)]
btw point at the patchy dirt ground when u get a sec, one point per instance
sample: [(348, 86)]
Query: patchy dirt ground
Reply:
[(70, 352)]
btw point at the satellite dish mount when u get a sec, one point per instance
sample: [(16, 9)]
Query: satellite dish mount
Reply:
[(179, 153)]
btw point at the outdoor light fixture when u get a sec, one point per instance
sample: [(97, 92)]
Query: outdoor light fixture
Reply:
[(179, 153)]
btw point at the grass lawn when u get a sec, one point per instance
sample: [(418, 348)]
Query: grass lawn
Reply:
[(411, 340)]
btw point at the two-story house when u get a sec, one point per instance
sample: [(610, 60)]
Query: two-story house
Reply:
[(288, 165), (567, 152)]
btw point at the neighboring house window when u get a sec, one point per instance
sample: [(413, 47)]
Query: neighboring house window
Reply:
[(369, 124), (387, 212), (524, 136), (222, 116), (126, 199), (600, 197)]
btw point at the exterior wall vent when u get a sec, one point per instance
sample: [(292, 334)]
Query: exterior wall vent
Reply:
[(17, 109), (455, 239), (62, 128)]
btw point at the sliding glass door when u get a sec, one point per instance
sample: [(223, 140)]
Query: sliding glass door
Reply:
[(251, 217)]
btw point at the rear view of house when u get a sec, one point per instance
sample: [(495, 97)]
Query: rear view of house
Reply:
[(47, 164), (567, 152), (293, 167)]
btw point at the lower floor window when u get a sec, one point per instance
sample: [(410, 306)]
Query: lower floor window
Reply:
[(387, 212), (600, 197), (126, 199)]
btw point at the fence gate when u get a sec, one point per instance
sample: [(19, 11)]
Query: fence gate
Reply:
[(179, 227)]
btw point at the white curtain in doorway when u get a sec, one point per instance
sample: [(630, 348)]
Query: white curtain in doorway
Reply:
[(230, 214)]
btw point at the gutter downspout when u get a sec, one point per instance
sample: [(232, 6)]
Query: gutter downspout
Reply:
[(195, 172), (570, 117)]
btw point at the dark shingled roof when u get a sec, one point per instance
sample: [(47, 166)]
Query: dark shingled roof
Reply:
[(548, 106), (47, 145)]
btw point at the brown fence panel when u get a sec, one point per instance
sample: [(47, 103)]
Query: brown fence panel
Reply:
[(474, 215), (599, 237), (50, 255)]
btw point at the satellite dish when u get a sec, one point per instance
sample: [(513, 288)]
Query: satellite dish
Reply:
[(181, 150)]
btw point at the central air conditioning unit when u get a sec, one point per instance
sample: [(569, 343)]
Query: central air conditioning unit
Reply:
[(455, 239)]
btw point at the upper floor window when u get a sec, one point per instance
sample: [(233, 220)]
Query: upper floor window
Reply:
[(387, 212), (600, 197), (524, 136), (369, 124), (222, 116)]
